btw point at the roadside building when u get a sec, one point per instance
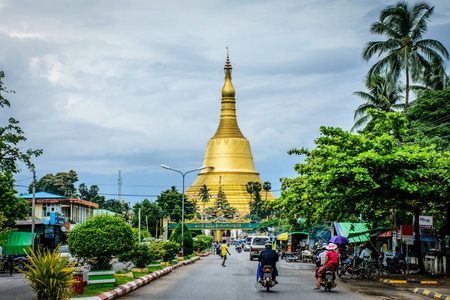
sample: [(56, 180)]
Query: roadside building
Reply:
[(54, 217)]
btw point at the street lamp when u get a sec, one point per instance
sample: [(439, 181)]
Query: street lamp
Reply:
[(182, 201)]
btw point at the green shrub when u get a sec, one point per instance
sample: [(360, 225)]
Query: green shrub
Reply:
[(172, 249), (101, 238), (165, 251), (203, 244), (141, 255), (50, 274), (188, 241)]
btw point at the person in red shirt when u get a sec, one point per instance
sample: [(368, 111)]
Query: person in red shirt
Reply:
[(331, 261)]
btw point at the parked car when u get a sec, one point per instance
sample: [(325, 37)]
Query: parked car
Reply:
[(257, 245), (247, 242)]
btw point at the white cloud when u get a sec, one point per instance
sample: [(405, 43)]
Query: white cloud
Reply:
[(102, 86)]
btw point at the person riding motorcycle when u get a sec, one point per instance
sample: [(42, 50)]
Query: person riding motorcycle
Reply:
[(269, 257)]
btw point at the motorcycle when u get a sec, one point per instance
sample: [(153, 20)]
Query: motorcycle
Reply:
[(8, 263), (293, 256), (239, 250), (328, 280), (266, 278)]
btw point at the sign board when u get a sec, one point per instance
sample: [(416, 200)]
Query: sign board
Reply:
[(57, 219), (214, 226), (407, 234), (426, 222), (50, 232)]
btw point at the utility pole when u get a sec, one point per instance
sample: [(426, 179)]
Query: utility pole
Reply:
[(33, 207), (139, 224), (119, 185)]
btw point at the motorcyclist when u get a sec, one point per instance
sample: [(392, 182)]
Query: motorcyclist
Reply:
[(269, 257)]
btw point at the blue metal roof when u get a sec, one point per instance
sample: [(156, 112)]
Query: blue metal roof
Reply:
[(42, 195)]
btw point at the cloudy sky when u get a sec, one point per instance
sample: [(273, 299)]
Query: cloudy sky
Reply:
[(103, 86)]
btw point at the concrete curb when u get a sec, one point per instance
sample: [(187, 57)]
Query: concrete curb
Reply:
[(408, 281), (204, 254), (133, 285), (433, 295)]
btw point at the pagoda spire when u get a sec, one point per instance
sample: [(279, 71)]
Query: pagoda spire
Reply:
[(228, 127)]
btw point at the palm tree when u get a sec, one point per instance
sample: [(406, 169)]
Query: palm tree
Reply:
[(204, 197), (267, 186), (404, 27), (381, 94), (250, 190)]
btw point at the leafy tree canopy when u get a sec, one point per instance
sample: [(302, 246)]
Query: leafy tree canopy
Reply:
[(188, 241), (150, 213), (429, 118), (63, 184), (11, 207), (107, 235), (170, 202), (372, 175)]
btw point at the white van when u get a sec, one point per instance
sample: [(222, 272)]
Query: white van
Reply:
[(257, 245)]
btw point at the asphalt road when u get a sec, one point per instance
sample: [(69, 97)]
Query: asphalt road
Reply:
[(14, 287), (207, 279)]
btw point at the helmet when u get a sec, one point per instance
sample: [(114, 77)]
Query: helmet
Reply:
[(268, 244)]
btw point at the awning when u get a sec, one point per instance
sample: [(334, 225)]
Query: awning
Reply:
[(282, 236), (17, 242), (354, 232)]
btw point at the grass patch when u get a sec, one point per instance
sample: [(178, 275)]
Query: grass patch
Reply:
[(93, 290)]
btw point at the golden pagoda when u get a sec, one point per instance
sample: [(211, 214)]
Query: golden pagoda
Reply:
[(229, 157)]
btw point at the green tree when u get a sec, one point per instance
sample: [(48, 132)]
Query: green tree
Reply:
[(10, 137), (188, 242), (11, 207), (267, 186), (101, 237), (256, 202), (150, 212), (382, 94), (404, 26), (204, 195), (372, 175), (170, 202), (63, 184), (429, 118), (114, 205)]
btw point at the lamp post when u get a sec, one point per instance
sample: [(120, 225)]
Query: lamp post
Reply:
[(182, 200)]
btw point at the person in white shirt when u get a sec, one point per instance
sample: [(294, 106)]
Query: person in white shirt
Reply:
[(366, 253), (322, 256)]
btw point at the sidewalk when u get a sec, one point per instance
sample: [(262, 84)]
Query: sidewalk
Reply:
[(430, 286)]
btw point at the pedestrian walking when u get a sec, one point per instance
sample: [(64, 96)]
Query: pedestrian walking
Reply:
[(213, 248), (224, 252)]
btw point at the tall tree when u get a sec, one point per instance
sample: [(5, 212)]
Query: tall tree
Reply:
[(63, 184), (382, 94), (256, 203), (204, 196), (170, 202), (150, 213), (267, 186), (10, 137), (404, 27), (371, 174)]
